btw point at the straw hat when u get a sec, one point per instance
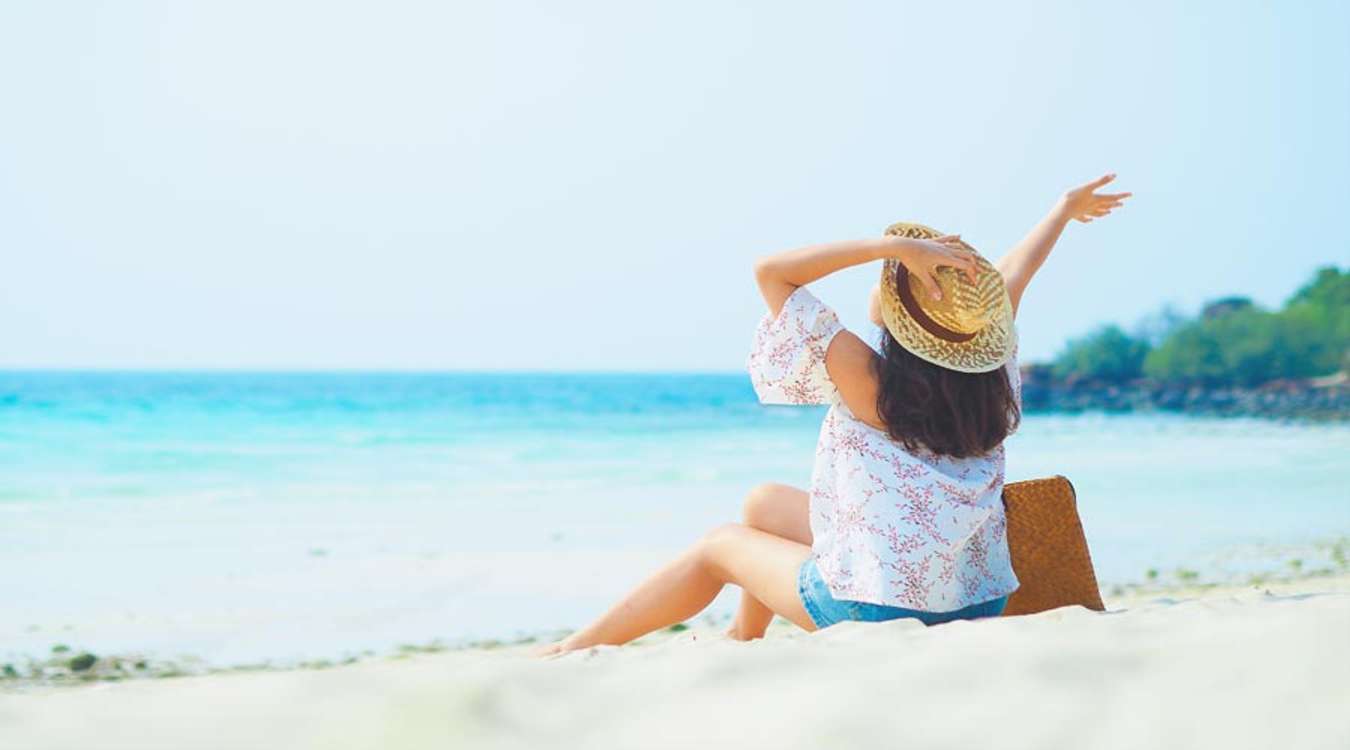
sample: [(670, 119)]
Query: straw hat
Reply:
[(968, 330)]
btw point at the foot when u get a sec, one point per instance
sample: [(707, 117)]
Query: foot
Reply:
[(736, 634), (547, 650), (550, 650)]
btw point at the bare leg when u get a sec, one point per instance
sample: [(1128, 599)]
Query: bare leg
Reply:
[(763, 564), (781, 510)]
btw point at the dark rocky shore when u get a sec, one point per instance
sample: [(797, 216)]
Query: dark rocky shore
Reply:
[(1320, 399)]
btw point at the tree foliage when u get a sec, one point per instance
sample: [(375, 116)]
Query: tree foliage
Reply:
[(1107, 353), (1232, 343)]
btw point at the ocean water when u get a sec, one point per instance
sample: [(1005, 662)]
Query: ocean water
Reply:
[(249, 517)]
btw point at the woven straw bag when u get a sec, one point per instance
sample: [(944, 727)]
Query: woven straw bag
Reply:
[(1049, 552)]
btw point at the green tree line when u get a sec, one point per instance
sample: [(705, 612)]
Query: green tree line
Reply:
[(1231, 342)]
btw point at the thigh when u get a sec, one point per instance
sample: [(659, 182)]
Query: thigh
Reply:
[(780, 509), (764, 565)]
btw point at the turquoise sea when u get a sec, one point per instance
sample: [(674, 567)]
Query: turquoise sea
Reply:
[(244, 517)]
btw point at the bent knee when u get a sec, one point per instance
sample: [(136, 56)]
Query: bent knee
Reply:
[(721, 535), (761, 503)]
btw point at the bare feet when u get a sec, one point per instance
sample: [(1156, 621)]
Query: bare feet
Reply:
[(547, 650), (736, 634), (550, 650)]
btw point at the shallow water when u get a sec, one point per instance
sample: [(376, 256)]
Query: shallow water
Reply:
[(262, 516)]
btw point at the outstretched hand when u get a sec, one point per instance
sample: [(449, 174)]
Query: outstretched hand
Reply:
[(1084, 204)]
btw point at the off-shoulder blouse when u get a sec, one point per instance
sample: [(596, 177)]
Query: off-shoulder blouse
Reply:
[(890, 526)]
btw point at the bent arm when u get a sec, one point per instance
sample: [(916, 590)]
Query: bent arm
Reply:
[(848, 359), (780, 274)]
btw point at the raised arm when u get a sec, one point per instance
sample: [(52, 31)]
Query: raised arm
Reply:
[(780, 274), (1083, 204), (848, 359)]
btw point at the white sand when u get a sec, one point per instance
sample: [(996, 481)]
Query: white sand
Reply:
[(1229, 668)]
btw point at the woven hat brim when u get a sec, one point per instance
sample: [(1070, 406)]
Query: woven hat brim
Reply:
[(991, 347)]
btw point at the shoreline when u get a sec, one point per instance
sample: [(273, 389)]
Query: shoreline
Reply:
[(1326, 563)]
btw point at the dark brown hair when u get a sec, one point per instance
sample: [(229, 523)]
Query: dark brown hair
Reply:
[(958, 414)]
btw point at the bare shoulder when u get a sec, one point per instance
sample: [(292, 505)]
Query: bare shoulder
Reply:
[(852, 367)]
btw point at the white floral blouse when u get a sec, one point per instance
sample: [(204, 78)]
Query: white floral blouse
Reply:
[(890, 526)]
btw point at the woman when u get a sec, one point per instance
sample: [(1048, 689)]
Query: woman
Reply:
[(904, 517)]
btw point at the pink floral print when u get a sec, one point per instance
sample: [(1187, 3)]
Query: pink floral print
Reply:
[(890, 526)]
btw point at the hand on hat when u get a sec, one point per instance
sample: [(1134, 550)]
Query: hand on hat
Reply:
[(1084, 204), (922, 258)]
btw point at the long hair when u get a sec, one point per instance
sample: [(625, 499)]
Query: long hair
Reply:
[(950, 413)]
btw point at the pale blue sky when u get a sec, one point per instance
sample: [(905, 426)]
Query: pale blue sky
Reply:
[(585, 185)]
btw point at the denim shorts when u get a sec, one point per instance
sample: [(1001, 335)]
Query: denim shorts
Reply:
[(825, 610)]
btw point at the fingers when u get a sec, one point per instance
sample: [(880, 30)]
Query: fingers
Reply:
[(970, 267), (1090, 187), (930, 284), (963, 259), (1100, 181), (933, 288), (1104, 205)]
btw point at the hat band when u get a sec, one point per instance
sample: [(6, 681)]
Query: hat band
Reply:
[(911, 306)]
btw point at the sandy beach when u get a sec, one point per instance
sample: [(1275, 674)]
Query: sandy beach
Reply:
[(1231, 667), (355, 353)]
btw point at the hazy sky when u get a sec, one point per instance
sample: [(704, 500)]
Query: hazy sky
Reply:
[(585, 185)]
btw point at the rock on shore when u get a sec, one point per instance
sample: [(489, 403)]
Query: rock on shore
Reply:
[(1322, 399)]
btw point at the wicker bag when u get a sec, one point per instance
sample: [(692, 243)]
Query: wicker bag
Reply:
[(1049, 552)]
